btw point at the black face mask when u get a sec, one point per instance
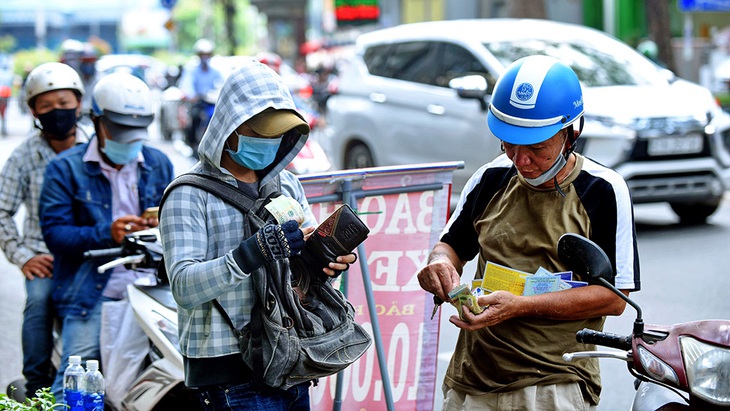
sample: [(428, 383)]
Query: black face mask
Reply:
[(57, 123)]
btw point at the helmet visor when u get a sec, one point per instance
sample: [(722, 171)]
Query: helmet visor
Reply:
[(521, 135), (131, 120), (125, 134)]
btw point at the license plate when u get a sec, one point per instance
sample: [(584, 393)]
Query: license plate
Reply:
[(665, 146)]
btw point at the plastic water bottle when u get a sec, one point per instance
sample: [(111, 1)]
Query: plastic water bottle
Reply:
[(72, 388), (93, 387)]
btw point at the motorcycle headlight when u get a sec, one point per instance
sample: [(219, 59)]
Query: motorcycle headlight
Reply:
[(708, 370), (656, 368)]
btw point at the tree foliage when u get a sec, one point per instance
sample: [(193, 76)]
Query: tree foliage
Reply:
[(226, 24), (657, 16), (7, 43), (527, 9)]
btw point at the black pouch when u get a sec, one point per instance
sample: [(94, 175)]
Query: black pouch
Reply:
[(338, 235)]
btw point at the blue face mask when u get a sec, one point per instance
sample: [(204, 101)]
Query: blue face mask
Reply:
[(255, 153), (122, 153)]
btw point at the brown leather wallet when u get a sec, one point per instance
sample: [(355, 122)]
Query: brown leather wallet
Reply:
[(338, 235)]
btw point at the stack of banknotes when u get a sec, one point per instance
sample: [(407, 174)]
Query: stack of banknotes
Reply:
[(285, 208), (462, 296)]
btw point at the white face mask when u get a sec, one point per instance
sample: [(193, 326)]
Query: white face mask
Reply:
[(553, 171)]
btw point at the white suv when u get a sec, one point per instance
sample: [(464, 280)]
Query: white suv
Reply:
[(397, 104)]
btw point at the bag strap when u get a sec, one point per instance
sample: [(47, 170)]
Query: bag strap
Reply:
[(225, 316), (230, 195), (220, 189)]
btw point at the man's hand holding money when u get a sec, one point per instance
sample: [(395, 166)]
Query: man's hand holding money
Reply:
[(462, 296)]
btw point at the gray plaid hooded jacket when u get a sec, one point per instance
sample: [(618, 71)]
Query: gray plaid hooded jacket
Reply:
[(199, 231)]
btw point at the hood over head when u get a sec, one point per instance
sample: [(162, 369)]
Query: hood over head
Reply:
[(250, 89)]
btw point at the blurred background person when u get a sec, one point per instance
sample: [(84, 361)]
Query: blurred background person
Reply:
[(200, 85)]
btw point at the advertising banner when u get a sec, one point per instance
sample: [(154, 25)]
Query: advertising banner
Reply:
[(406, 209)]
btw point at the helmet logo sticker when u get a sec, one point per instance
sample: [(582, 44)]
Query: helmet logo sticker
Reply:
[(527, 83), (524, 91)]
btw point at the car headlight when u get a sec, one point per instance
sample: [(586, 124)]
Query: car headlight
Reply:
[(656, 368), (613, 128), (708, 370)]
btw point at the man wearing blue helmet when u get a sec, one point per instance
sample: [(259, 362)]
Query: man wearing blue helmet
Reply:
[(512, 212)]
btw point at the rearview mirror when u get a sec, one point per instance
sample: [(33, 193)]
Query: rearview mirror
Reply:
[(472, 86), (584, 257), (587, 259)]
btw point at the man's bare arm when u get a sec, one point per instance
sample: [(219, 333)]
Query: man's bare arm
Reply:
[(443, 271)]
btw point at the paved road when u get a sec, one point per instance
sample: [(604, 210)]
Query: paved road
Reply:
[(12, 292)]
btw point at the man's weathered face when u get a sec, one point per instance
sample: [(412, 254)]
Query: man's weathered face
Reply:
[(534, 159), (55, 99)]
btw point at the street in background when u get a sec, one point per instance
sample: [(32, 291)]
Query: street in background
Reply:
[(426, 86)]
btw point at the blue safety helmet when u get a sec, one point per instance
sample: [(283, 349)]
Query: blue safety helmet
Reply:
[(536, 97)]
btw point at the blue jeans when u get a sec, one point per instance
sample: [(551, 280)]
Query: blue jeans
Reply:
[(248, 397), (37, 334), (80, 336)]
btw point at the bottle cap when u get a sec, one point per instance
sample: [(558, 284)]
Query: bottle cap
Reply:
[(92, 365), (74, 359)]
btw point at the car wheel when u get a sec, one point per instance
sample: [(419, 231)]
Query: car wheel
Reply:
[(695, 213), (358, 156)]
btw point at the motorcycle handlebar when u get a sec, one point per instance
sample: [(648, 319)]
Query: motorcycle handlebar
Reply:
[(588, 336), (107, 253)]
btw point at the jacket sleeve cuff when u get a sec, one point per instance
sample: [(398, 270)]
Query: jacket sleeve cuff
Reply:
[(21, 256), (248, 255)]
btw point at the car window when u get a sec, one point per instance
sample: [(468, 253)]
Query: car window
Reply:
[(413, 61), (410, 61), (596, 65), (456, 61), (375, 57)]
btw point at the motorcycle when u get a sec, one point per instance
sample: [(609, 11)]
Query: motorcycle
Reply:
[(148, 374), (200, 113), (173, 113), (683, 366)]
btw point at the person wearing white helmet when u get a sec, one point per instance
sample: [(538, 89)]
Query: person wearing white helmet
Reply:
[(198, 83), (93, 195), (512, 212), (53, 93)]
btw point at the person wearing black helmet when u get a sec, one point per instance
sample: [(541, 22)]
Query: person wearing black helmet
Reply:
[(53, 94), (512, 212), (93, 195)]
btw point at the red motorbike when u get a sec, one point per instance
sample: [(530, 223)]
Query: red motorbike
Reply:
[(679, 367)]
